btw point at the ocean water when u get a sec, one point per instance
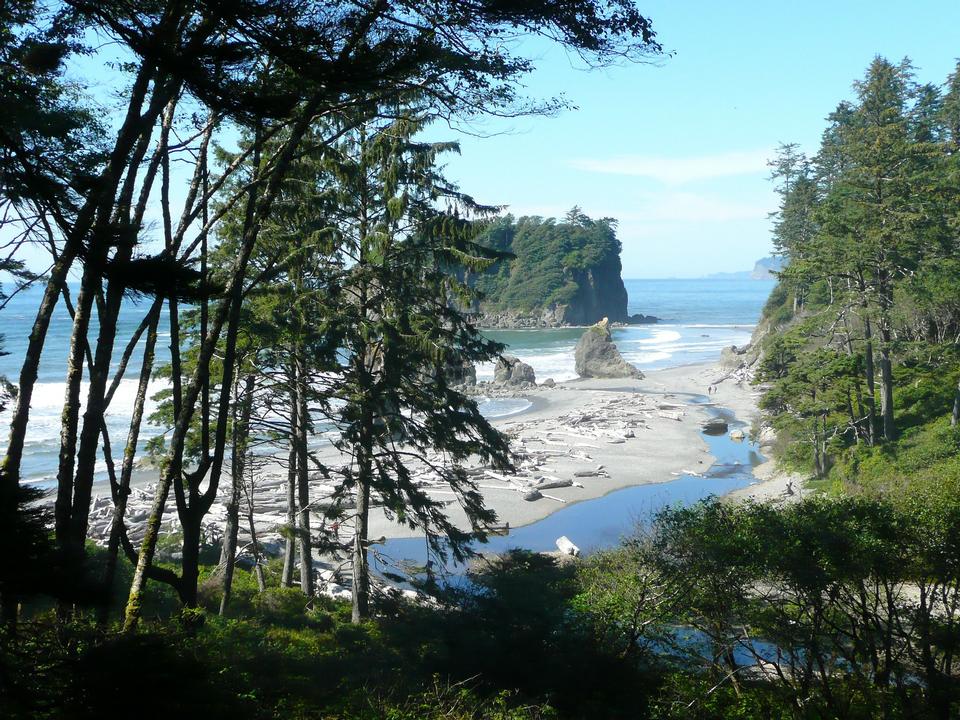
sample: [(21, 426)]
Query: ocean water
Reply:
[(699, 318)]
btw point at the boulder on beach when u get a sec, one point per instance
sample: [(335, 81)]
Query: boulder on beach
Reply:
[(549, 382), (596, 355), (513, 371)]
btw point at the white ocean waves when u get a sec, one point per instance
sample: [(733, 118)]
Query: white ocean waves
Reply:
[(42, 443), (649, 347)]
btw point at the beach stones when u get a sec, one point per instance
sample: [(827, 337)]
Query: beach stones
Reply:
[(596, 355), (513, 371)]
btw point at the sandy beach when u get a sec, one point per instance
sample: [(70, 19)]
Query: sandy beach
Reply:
[(666, 442), (578, 441)]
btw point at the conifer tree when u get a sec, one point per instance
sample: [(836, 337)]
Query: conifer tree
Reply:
[(402, 241)]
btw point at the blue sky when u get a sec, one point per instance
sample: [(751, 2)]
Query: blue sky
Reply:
[(677, 151)]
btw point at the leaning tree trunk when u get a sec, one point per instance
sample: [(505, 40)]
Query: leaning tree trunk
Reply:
[(10, 467), (129, 456), (241, 433), (254, 542)]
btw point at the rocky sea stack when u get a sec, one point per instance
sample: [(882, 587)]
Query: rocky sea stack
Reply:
[(596, 355), (563, 272)]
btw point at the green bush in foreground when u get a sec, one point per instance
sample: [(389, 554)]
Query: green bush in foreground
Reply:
[(826, 608)]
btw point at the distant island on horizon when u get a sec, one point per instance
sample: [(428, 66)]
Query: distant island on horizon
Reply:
[(764, 269)]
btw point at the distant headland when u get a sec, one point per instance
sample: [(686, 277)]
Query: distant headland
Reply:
[(764, 269)]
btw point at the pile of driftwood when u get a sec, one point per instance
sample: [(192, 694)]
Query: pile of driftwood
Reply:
[(537, 445)]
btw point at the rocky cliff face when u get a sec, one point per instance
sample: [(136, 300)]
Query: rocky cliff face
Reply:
[(8, 393), (600, 294)]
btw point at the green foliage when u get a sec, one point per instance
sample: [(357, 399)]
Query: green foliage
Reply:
[(864, 324), (822, 608), (288, 658)]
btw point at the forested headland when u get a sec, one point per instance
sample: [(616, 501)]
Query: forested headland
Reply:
[(260, 185), (556, 272)]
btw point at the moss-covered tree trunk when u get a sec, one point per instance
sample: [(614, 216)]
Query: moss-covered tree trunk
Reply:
[(129, 456), (241, 435)]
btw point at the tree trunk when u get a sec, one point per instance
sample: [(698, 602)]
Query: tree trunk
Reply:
[(71, 551), (241, 434), (854, 419), (93, 417), (955, 416), (303, 487), (254, 543), (289, 547), (361, 569), (870, 378), (10, 467), (190, 562), (886, 384)]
